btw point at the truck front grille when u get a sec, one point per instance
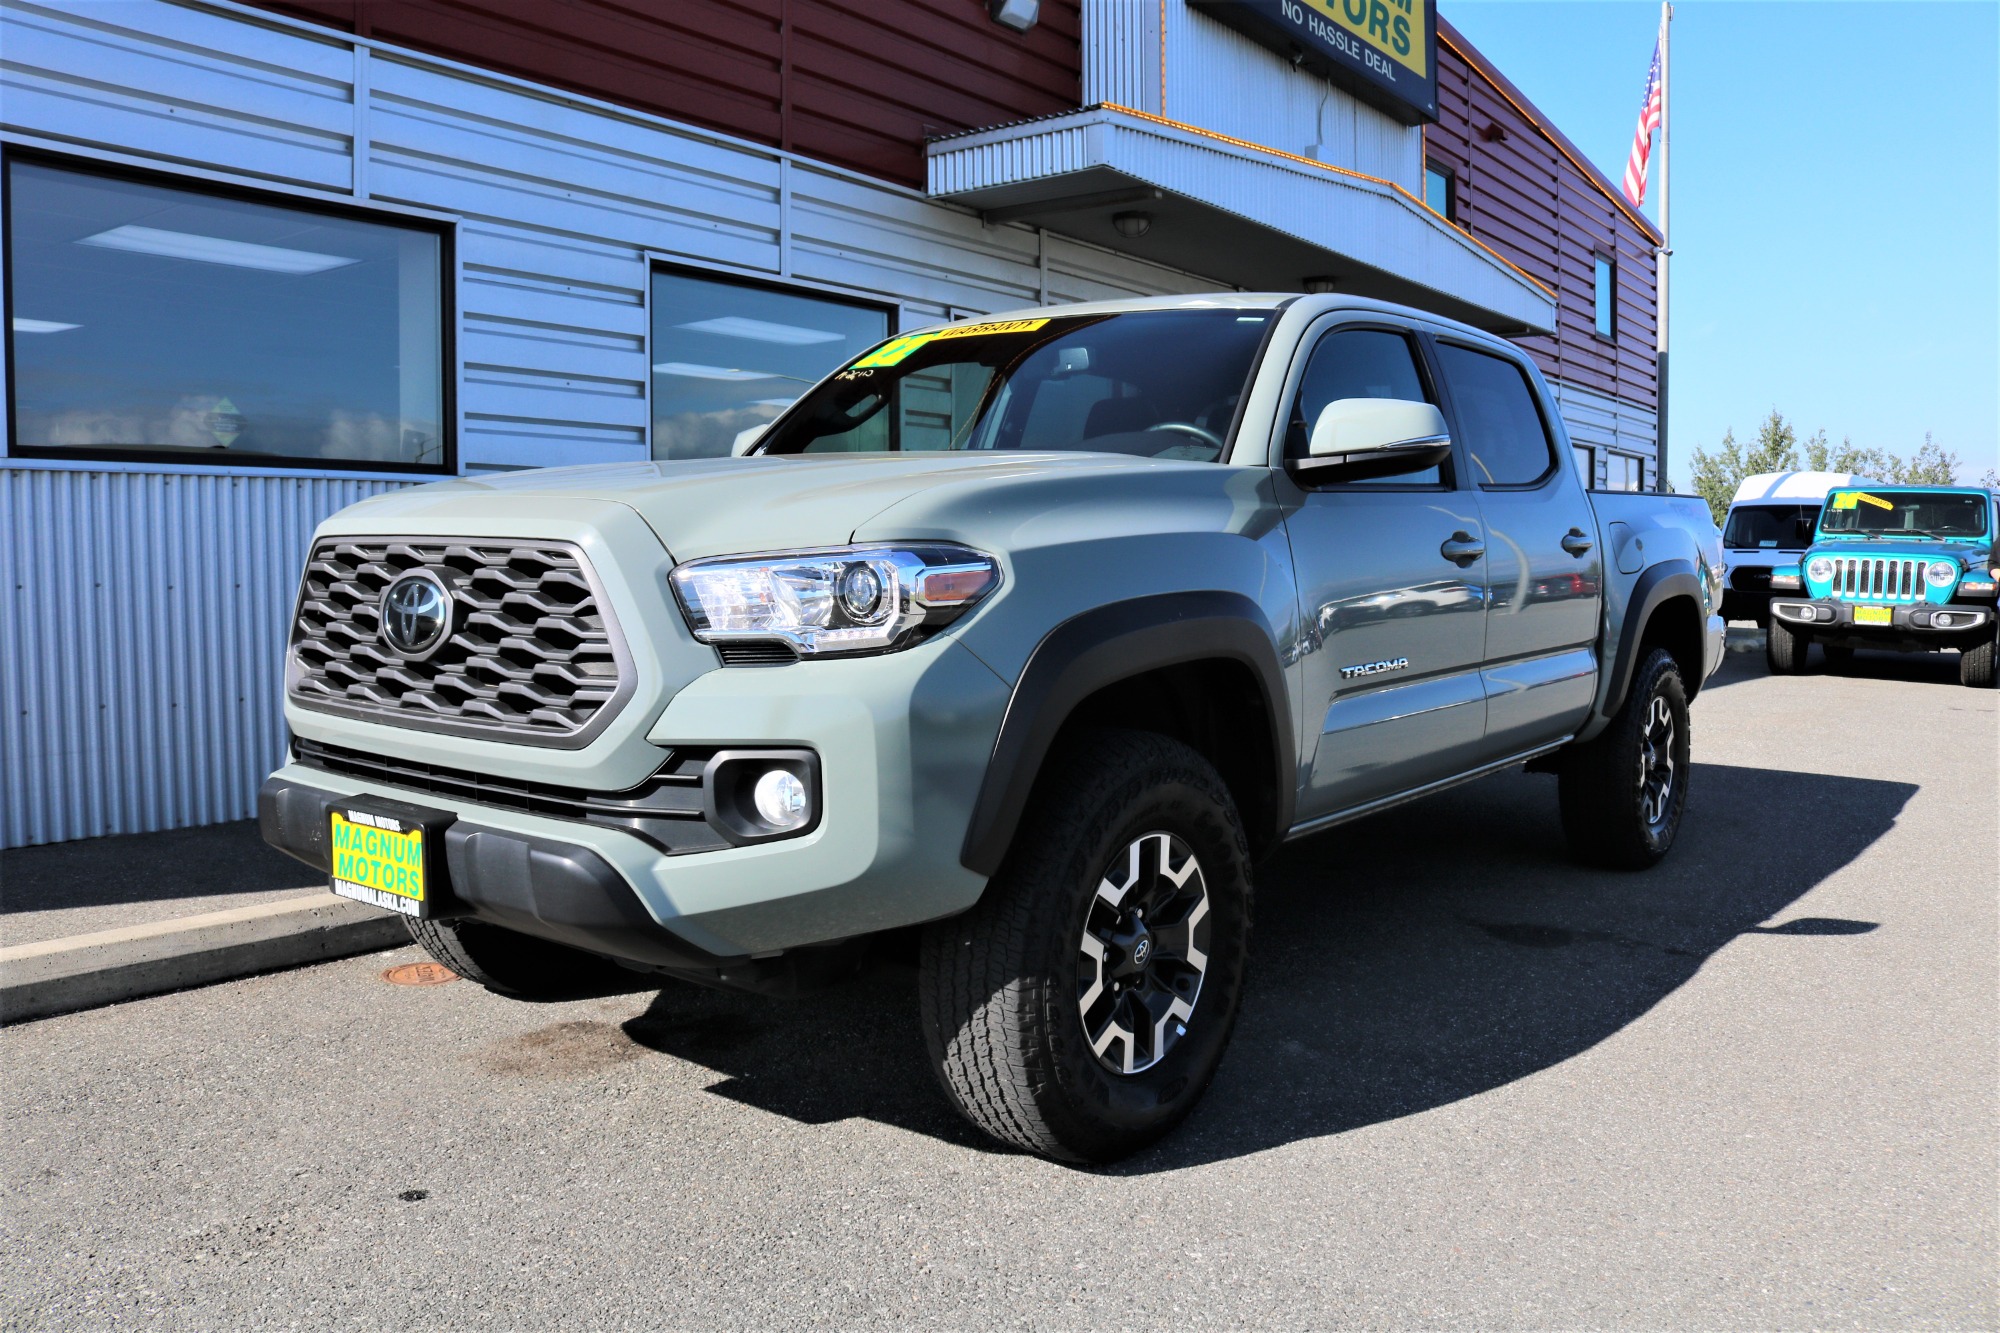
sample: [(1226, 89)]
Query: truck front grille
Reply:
[(1878, 579), (531, 654)]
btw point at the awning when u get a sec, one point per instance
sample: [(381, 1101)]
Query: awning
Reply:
[(1245, 215)]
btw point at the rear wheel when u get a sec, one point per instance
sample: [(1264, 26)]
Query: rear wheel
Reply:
[(1080, 1010), (1975, 664), (512, 964), (1784, 648), (1623, 793)]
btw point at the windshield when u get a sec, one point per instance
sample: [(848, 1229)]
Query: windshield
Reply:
[(1904, 514), (1788, 527), (1153, 383)]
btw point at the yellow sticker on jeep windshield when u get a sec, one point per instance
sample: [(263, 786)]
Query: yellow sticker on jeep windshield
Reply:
[(1849, 499), (897, 349)]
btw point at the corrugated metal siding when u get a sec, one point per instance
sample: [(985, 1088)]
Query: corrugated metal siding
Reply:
[(1221, 80), (859, 83), (1522, 196), (1606, 423), (145, 618), (1122, 51), (560, 203)]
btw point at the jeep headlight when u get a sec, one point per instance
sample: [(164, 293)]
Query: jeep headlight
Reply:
[(1941, 573), (1820, 569), (847, 599)]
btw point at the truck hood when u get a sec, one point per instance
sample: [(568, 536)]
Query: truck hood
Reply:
[(1972, 551), (729, 506)]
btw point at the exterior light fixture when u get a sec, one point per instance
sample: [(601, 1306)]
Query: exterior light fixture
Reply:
[(1020, 15), (1322, 285), (1132, 225)]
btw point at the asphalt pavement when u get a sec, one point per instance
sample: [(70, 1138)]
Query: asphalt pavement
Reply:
[(1474, 1086)]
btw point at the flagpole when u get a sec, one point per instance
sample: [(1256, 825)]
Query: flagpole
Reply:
[(1665, 252)]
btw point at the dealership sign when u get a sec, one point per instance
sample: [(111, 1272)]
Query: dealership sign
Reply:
[(1382, 51)]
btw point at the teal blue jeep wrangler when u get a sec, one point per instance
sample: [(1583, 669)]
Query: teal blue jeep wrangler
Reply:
[(1903, 567)]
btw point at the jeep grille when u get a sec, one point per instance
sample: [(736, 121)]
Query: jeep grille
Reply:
[(1878, 579), (532, 654)]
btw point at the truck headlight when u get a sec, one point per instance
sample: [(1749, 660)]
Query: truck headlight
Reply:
[(847, 599), (1941, 573), (1820, 569)]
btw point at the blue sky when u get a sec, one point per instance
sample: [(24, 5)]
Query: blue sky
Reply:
[(1836, 203)]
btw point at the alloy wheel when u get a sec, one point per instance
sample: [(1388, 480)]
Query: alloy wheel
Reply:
[(1143, 953), (1656, 760)]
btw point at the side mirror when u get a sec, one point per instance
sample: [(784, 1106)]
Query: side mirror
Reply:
[(746, 440), (1359, 438)]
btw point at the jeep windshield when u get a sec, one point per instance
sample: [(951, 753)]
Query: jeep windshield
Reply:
[(1151, 383), (1862, 513)]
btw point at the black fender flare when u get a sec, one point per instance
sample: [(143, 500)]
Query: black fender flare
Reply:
[(1657, 585), (1100, 647)]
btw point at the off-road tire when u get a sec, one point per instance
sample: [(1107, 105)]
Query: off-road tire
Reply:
[(509, 963), (1975, 664), (1000, 985), (1784, 648), (1602, 785), (1837, 658)]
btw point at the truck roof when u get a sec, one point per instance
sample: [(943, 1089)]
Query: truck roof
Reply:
[(1312, 305), (1794, 486)]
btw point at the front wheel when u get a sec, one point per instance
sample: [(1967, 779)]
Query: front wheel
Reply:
[(1622, 793), (1784, 648), (1079, 1011), (1975, 664)]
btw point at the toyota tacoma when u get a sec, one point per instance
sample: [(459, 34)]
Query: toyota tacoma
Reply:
[(1035, 632)]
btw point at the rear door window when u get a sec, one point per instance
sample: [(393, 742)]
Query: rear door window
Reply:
[(1501, 425)]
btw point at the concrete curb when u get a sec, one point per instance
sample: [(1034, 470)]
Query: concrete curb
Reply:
[(84, 971)]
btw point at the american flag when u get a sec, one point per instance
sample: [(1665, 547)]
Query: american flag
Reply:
[(1649, 120)]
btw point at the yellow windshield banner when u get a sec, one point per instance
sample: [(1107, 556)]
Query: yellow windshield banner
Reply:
[(897, 349), (1851, 499)]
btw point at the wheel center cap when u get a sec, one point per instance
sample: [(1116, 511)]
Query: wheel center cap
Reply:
[(1141, 951)]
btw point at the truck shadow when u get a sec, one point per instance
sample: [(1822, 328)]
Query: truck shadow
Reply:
[(1426, 955)]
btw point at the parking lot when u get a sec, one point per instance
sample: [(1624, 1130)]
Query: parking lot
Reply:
[(1474, 1086)]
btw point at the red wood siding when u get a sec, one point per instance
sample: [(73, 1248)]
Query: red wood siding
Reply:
[(1524, 196), (859, 83)]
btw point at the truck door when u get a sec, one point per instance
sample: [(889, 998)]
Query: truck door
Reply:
[(1391, 597), (1543, 568)]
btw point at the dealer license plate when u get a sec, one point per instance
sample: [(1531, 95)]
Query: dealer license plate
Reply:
[(380, 860), (1871, 615)]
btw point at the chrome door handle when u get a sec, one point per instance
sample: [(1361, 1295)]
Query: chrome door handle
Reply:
[(1462, 549), (1576, 543)]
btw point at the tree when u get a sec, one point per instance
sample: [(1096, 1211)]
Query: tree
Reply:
[(1717, 475), (1777, 449)]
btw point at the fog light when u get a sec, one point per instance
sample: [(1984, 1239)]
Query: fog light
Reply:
[(1943, 619), (781, 800)]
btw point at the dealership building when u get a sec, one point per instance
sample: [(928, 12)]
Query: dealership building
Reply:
[(265, 260)]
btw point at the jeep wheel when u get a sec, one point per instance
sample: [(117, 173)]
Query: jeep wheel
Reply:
[(1784, 648), (509, 963), (1975, 664), (1080, 1009), (1622, 794)]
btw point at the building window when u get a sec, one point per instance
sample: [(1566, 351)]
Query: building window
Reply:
[(729, 356), (160, 322), (1441, 189), (1607, 296), (1586, 464), (1624, 473)]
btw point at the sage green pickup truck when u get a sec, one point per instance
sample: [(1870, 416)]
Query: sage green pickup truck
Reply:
[(1036, 633)]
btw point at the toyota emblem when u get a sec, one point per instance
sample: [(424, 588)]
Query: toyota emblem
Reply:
[(416, 614)]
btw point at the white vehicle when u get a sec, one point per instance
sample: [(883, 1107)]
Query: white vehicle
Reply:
[(1771, 523)]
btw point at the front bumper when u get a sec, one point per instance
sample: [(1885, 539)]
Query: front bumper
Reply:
[(902, 741), (1918, 622)]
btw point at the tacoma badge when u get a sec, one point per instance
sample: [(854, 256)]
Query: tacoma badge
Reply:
[(1374, 668)]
